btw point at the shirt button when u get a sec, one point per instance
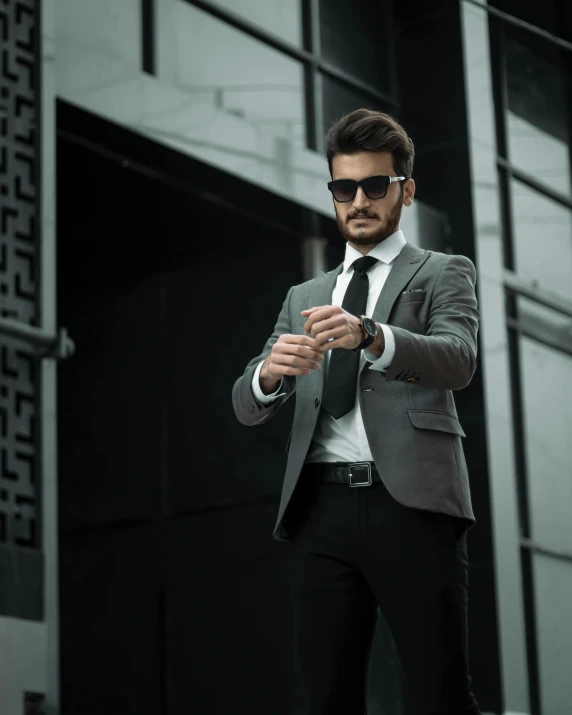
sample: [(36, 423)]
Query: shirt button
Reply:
[(316, 401)]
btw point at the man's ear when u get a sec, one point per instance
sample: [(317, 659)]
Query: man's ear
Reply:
[(409, 189)]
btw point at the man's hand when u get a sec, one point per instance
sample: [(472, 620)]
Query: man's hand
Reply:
[(290, 355), (334, 324)]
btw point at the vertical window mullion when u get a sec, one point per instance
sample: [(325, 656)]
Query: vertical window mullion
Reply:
[(310, 106), (148, 36), (391, 51), (312, 77), (501, 112), (500, 90), (568, 66)]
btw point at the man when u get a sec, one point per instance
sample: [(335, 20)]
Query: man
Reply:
[(376, 501)]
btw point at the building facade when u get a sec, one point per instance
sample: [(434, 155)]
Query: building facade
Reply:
[(143, 142)]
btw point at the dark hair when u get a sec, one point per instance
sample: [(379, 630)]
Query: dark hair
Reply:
[(366, 130)]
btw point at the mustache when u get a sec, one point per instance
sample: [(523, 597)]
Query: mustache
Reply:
[(360, 215)]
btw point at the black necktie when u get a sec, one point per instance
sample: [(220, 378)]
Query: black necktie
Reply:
[(340, 391)]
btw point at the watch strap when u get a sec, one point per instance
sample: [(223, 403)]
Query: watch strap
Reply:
[(367, 341)]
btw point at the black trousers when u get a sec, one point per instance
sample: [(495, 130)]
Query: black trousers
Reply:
[(357, 548)]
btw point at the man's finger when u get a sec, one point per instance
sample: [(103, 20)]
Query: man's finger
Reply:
[(313, 316), (330, 345)]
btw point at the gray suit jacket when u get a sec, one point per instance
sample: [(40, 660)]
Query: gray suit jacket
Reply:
[(409, 413)]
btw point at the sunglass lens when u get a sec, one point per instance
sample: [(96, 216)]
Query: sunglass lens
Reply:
[(344, 190), (376, 186)]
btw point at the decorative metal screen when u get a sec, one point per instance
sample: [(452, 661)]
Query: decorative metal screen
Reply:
[(20, 546)]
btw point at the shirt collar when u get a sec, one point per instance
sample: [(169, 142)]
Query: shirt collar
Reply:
[(386, 251)]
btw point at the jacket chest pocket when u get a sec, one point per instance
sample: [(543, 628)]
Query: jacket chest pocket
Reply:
[(412, 296), (409, 312)]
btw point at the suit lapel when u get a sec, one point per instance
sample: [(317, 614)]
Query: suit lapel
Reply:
[(323, 287), (406, 265)]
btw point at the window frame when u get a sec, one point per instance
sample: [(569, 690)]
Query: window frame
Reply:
[(516, 325), (314, 66)]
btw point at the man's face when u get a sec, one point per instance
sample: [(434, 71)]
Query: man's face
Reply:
[(366, 222)]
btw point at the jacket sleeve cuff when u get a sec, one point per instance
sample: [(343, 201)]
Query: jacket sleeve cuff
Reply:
[(382, 363), (260, 396)]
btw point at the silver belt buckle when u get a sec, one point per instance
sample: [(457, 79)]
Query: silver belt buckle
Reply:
[(360, 484)]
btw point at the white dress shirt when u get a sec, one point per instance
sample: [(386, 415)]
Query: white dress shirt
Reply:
[(345, 440)]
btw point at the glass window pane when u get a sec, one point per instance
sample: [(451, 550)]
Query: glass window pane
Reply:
[(338, 99), (538, 115), (550, 15), (355, 38), (553, 595), (228, 70), (547, 406), (542, 239), (281, 17), (545, 323)]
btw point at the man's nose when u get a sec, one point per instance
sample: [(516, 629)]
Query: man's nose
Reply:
[(360, 201)]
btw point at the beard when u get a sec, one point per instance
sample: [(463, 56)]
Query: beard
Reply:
[(370, 236)]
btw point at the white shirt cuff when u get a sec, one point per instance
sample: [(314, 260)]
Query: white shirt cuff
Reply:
[(260, 396), (388, 351)]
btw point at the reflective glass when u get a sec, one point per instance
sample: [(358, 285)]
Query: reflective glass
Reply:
[(538, 114), (553, 595), (542, 234), (374, 187), (338, 99), (547, 406), (546, 323), (555, 16), (281, 17), (355, 37), (227, 70)]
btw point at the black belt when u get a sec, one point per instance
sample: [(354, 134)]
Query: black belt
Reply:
[(354, 474)]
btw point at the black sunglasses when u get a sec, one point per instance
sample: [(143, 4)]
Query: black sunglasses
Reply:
[(374, 187)]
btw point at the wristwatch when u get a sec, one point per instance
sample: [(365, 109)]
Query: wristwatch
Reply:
[(369, 327)]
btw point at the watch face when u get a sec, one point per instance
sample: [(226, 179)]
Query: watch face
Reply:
[(369, 326)]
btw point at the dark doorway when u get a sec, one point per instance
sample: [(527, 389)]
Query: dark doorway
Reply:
[(172, 593)]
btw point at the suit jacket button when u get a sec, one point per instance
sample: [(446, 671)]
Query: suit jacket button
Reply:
[(316, 401)]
